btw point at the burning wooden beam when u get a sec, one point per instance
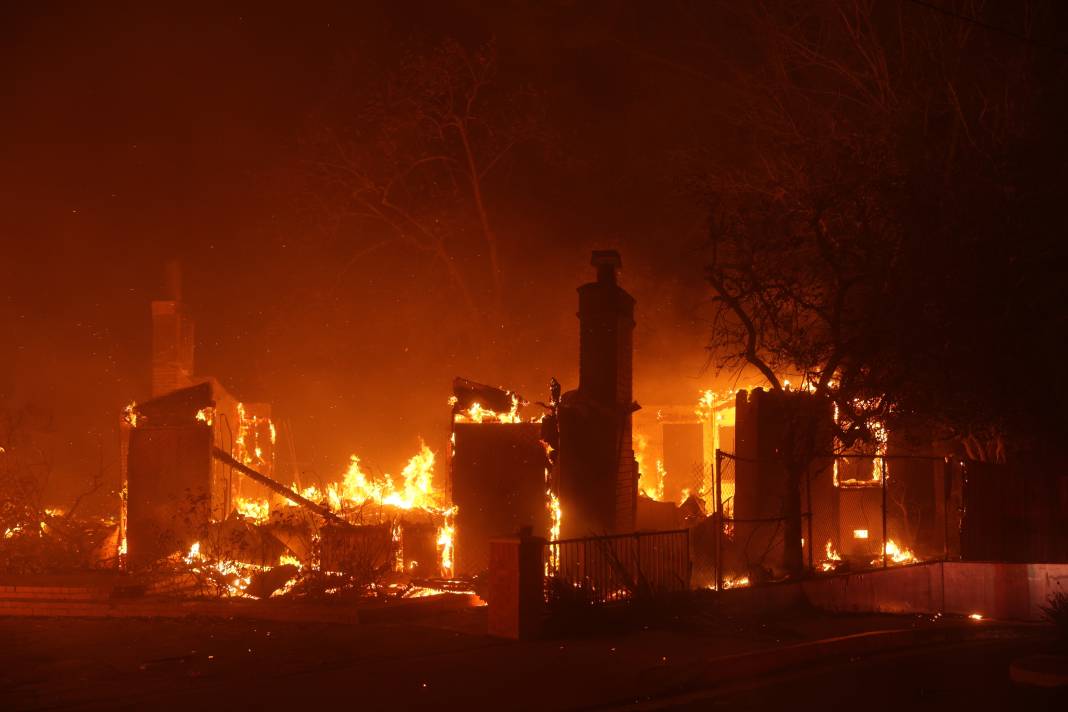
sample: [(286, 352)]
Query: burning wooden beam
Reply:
[(270, 484)]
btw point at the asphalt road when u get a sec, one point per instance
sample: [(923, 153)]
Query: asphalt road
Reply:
[(208, 663), (972, 675)]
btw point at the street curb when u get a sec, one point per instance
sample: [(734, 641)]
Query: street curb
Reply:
[(400, 611), (1040, 671)]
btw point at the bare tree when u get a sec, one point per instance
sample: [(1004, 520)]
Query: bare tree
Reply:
[(859, 244), (880, 144), (416, 158)]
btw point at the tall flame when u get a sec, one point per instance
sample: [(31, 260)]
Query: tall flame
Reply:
[(413, 490)]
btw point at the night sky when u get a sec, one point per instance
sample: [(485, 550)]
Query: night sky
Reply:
[(134, 134)]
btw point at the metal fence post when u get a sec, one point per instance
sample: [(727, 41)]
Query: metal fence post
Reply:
[(689, 562), (947, 487), (718, 475), (637, 559), (882, 466), (808, 505)]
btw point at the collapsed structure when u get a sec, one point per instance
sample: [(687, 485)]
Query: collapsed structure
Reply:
[(174, 485), (200, 488), (196, 457)]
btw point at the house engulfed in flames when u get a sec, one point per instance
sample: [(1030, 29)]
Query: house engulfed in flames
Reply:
[(844, 494), (199, 489), (201, 476), (200, 484)]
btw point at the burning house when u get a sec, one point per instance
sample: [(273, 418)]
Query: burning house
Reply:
[(199, 473)]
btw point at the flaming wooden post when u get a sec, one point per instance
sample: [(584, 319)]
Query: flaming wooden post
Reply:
[(280, 489)]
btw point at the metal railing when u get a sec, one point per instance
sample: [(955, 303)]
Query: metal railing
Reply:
[(604, 569)]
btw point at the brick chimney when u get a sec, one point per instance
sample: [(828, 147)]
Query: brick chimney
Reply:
[(599, 477), (172, 339), (606, 329)]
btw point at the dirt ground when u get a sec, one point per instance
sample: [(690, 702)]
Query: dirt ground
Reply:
[(440, 663)]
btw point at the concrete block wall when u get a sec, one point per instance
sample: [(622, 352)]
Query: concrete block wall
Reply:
[(993, 590)]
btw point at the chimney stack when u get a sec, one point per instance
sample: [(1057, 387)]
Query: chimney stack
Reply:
[(607, 263), (606, 328), (598, 474), (172, 338)]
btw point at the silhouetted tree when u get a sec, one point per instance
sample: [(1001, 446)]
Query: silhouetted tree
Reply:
[(413, 159), (893, 236), (887, 240)]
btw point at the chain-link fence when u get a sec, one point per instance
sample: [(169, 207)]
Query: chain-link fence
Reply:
[(603, 569), (833, 513)]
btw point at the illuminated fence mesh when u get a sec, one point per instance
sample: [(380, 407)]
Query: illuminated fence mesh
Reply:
[(848, 509), (613, 568), (702, 529), (851, 509), (750, 545)]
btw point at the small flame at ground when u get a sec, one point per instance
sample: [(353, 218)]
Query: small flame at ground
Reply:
[(739, 582), (831, 558), (896, 555)]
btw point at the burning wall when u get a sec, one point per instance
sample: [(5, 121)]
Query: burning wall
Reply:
[(498, 486), (171, 491)]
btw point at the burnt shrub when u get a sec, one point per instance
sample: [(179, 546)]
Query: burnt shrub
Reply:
[(1056, 612)]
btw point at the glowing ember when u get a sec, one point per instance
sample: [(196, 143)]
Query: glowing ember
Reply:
[(739, 582), (234, 575)]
